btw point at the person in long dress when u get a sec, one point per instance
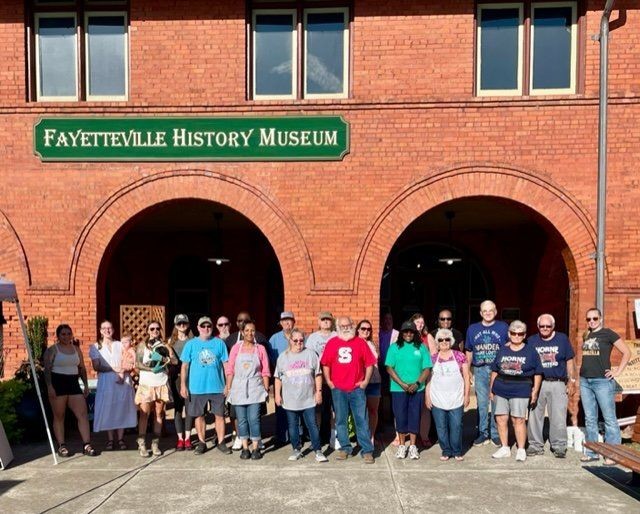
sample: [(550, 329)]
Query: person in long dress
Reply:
[(115, 409)]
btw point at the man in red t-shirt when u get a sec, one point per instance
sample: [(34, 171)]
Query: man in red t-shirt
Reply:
[(347, 364)]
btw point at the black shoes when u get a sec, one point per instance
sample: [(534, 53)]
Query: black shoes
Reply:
[(245, 454), (256, 455), (223, 448), (200, 448)]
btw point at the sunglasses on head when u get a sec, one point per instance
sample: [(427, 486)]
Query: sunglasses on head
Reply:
[(443, 339), (444, 319), (517, 334), (593, 319)]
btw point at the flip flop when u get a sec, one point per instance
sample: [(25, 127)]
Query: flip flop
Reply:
[(121, 444), (63, 451), (109, 445), (586, 458), (609, 462)]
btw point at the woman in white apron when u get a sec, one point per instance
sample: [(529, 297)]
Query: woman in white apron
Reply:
[(447, 394), (114, 407), (248, 388)]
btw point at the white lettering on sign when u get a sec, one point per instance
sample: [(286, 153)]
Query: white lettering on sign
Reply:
[(273, 137)]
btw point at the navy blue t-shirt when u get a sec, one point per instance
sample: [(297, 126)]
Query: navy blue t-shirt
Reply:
[(554, 354), (511, 365), (484, 341)]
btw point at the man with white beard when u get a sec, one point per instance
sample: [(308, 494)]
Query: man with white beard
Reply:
[(347, 364)]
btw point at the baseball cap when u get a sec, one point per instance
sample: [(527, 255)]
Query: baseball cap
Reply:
[(180, 318), (287, 315), (204, 319), (325, 314)]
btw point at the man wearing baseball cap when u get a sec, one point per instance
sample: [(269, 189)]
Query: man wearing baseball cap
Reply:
[(278, 343), (203, 381)]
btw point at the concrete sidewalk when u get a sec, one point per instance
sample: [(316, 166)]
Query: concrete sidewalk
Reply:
[(121, 481)]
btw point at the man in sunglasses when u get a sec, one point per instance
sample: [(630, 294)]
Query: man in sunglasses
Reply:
[(445, 320), (557, 356), (223, 326), (482, 343)]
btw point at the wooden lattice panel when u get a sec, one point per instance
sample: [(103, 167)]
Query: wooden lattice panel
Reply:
[(135, 318)]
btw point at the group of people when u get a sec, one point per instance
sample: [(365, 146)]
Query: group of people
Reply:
[(339, 371)]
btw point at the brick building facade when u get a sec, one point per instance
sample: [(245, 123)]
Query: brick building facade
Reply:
[(425, 139)]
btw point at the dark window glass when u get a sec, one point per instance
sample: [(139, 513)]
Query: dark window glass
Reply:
[(499, 47), (552, 48)]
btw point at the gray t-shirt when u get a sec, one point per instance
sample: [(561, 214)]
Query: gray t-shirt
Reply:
[(297, 371), (317, 341)]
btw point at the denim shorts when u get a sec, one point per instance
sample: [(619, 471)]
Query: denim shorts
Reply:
[(373, 390)]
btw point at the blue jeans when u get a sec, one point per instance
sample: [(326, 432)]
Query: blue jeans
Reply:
[(249, 421), (449, 428), (486, 423), (282, 425), (356, 402), (599, 392), (309, 417)]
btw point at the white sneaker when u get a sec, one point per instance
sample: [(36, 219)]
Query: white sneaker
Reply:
[(295, 455), (413, 452), (320, 457), (521, 454), (401, 452), (502, 453), (237, 444), (333, 441)]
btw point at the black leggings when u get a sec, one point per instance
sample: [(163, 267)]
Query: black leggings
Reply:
[(178, 406)]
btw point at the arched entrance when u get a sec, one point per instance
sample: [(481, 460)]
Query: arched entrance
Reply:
[(463, 251), (192, 256)]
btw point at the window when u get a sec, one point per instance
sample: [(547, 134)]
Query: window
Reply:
[(64, 30), (526, 48), (300, 52)]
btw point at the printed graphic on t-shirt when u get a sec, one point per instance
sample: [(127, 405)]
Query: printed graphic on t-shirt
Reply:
[(591, 347), (344, 355), (511, 364), (298, 372), (206, 357), (485, 346), (548, 356)]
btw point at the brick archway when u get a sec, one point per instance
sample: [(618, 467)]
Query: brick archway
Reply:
[(282, 233), (523, 186), (13, 260)]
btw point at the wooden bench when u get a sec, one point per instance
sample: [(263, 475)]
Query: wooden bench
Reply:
[(623, 455)]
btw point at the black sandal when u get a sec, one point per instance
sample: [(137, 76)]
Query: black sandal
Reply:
[(63, 451), (121, 444), (109, 445), (89, 451)]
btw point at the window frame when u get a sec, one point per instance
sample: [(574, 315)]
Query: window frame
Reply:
[(521, 40), (345, 52), (127, 70), (573, 64), (294, 54), (38, 79)]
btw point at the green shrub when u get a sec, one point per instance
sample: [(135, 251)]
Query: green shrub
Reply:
[(11, 392)]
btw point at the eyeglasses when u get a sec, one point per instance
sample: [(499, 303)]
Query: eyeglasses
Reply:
[(222, 324), (445, 319), (443, 339), (517, 334), (345, 327), (297, 340), (365, 329), (242, 320), (154, 329), (545, 326), (205, 325), (593, 319)]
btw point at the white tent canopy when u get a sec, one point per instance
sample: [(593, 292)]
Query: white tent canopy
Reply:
[(8, 293)]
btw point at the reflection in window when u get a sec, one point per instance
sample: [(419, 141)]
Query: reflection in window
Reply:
[(325, 59), (106, 52), (273, 54)]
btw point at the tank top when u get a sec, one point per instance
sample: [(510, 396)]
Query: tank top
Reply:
[(65, 364)]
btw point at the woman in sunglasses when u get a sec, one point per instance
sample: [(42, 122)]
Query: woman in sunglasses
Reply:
[(373, 391), (597, 384), (516, 376), (152, 359), (180, 334), (298, 389), (447, 394)]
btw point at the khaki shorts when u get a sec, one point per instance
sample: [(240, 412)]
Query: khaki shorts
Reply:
[(516, 407), (150, 394)]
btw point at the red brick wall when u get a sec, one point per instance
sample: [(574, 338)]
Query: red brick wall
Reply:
[(418, 138)]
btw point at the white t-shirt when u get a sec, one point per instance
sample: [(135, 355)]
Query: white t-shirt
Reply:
[(149, 378)]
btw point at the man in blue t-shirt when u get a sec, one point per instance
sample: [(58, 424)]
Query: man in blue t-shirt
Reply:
[(557, 356), (483, 341), (203, 381)]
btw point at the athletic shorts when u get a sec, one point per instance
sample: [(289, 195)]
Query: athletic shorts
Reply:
[(198, 404), (516, 407), (65, 385)]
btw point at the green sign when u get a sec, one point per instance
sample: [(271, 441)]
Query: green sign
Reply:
[(286, 138)]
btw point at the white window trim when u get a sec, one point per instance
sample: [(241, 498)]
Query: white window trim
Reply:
[(91, 97), (345, 54), (574, 49), (44, 98), (294, 54), (499, 92)]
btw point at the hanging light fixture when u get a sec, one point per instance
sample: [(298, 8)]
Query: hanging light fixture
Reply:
[(218, 258), (450, 260)]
